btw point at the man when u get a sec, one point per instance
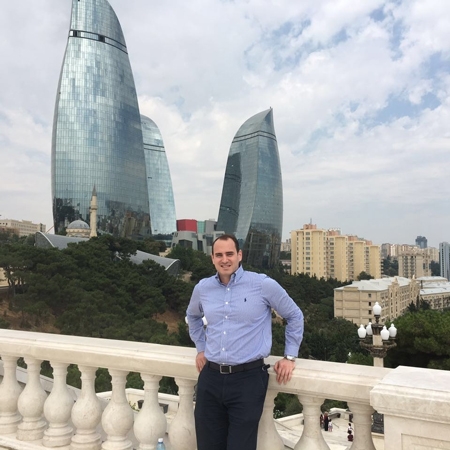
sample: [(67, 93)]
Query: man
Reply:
[(237, 307)]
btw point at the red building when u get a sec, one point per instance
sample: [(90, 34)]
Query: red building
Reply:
[(187, 225)]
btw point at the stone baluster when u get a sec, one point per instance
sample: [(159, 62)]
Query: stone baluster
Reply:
[(57, 409), (31, 404), (268, 437), (117, 418), (86, 413), (312, 438), (9, 393), (150, 423), (182, 429), (362, 419)]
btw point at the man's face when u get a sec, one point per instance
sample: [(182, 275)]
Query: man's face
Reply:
[(225, 258)]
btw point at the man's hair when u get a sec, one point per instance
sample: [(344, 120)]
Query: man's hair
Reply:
[(225, 237)]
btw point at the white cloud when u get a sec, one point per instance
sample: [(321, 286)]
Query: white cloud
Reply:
[(359, 147)]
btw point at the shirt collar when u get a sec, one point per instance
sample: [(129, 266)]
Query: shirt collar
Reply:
[(236, 276)]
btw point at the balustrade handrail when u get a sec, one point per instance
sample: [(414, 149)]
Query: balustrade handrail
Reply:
[(55, 420), (327, 379)]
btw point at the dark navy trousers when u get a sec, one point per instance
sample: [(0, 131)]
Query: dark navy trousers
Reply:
[(228, 408)]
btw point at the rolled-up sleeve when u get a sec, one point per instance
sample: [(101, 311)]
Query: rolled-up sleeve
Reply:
[(280, 301), (194, 316)]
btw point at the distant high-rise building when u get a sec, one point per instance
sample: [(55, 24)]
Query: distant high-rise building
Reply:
[(160, 192), (97, 135), (251, 206), (309, 251), (421, 241), (414, 264), (444, 259), (329, 254)]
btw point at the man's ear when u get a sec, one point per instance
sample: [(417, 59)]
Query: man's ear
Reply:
[(240, 255)]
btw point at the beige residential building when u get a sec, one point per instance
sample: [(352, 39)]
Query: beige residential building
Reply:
[(388, 250), (416, 262), (433, 253), (3, 280), (309, 251), (373, 260), (286, 246), (22, 227), (356, 257), (337, 255), (411, 264), (329, 254), (435, 291), (355, 301)]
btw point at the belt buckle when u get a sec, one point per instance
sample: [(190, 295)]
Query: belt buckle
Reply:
[(225, 369)]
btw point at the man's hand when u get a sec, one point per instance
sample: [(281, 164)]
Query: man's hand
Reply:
[(200, 361), (284, 369)]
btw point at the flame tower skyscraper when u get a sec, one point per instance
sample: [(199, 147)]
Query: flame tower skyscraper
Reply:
[(251, 207), (97, 134)]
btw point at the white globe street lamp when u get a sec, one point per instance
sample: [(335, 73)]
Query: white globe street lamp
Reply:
[(376, 338)]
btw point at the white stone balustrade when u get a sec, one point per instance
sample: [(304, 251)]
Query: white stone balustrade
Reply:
[(9, 395), (57, 409), (151, 423), (415, 402), (31, 404), (86, 413)]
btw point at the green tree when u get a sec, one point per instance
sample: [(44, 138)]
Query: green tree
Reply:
[(390, 266), (423, 340), (364, 276), (435, 268)]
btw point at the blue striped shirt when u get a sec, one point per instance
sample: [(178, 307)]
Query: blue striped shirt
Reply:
[(239, 317)]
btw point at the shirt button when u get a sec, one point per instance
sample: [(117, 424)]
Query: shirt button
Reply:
[(224, 332), (226, 317), (226, 303), (228, 289), (223, 349)]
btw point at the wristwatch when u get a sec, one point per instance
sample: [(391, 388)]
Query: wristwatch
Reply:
[(289, 357)]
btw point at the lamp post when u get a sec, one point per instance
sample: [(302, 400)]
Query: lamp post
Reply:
[(376, 338)]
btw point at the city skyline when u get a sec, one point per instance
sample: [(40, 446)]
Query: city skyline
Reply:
[(361, 94)]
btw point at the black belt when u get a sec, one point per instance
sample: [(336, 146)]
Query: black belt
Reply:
[(227, 369)]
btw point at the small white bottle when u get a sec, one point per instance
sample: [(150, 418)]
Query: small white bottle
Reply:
[(160, 445)]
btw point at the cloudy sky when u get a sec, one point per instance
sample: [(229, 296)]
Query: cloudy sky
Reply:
[(360, 92)]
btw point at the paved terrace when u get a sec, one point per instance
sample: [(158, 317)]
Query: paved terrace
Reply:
[(415, 402)]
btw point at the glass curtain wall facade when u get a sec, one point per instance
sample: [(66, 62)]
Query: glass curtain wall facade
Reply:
[(444, 259), (97, 135), (160, 192), (252, 197)]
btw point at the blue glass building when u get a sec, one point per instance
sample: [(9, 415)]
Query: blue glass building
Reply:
[(160, 192), (97, 135), (252, 197)]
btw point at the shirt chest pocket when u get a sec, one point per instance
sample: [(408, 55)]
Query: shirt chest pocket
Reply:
[(249, 309)]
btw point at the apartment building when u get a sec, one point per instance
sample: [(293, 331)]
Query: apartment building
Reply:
[(337, 261), (309, 251), (415, 262), (355, 301), (21, 227), (330, 254)]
